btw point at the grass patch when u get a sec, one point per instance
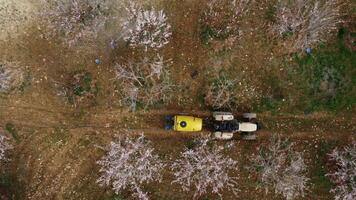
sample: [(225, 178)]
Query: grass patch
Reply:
[(319, 169), (328, 77), (26, 83), (59, 136), (115, 197), (324, 80), (267, 104), (208, 33), (13, 131), (191, 144), (9, 185), (270, 13), (82, 88), (274, 101), (84, 85)]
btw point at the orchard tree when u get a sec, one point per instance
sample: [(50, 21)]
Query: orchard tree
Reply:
[(281, 168), (220, 93), (221, 18), (345, 176), (205, 169), (226, 92), (76, 20), (4, 146), (146, 28), (128, 164), (147, 82), (308, 21), (11, 76)]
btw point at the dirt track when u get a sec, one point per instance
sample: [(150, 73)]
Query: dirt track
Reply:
[(152, 121), (68, 144)]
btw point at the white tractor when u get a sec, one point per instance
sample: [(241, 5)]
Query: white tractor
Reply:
[(225, 125)]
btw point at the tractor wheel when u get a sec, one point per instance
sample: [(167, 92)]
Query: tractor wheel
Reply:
[(249, 116), (217, 135), (223, 136), (249, 136), (223, 116)]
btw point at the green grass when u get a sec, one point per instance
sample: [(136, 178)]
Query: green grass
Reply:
[(115, 197), (81, 85), (207, 34), (85, 85), (328, 77), (322, 81), (318, 170), (13, 131), (9, 184), (191, 144), (275, 101), (270, 14), (60, 137), (26, 83)]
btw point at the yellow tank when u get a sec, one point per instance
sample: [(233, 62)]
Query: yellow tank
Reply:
[(187, 123)]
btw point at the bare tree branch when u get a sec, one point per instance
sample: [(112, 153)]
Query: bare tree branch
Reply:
[(75, 19), (4, 147), (223, 17), (345, 176), (310, 22), (147, 28), (147, 82), (206, 169), (129, 163), (281, 168), (221, 93), (11, 76)]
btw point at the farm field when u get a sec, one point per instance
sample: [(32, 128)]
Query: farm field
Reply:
[(78, 75)]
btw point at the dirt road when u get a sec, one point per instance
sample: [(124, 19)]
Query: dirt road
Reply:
[(152, 121)]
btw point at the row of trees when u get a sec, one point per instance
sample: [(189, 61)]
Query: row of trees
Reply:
[(84, 20), (147, 80), (132, 162), (308, 21), (143, 81)]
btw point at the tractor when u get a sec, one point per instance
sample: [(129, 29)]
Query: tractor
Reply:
[(223, 125)]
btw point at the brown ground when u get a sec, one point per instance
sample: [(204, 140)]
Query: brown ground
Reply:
[(58, 144)]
